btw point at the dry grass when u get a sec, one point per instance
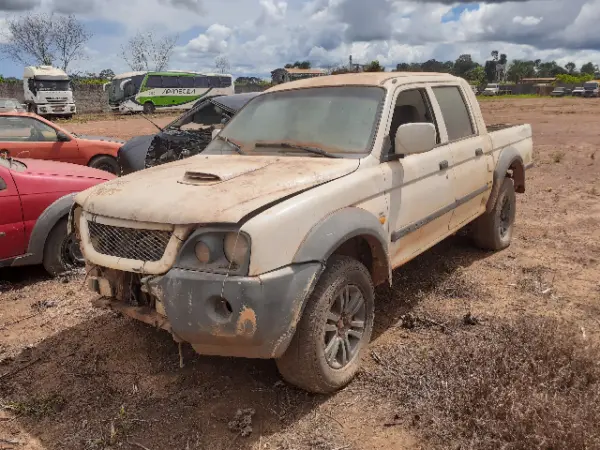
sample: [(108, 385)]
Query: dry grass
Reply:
[(557, 157), (531, 384)]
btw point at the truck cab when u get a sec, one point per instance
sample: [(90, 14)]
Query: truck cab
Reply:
[(48, 91)]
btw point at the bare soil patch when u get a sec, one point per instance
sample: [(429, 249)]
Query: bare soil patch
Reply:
[(471, 349)]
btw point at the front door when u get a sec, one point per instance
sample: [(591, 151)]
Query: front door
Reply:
[(471, 155), (420, 195), (12, 230), (28, 137)]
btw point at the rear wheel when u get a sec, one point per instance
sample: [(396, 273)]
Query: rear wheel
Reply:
[(334, 331), (61, 252), (106, 163), (494, 230), (149, 108)]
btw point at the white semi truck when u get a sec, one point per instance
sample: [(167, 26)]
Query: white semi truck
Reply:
[(48, 91)]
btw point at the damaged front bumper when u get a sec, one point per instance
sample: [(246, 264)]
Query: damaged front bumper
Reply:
[(252, 317)]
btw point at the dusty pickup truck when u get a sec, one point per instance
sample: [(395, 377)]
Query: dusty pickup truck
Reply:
[(270, 242)]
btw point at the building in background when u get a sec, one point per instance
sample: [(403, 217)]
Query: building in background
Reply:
[(284, 75)]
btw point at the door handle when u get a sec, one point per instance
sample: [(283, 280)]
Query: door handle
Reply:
[(443, 165), (479, 152)]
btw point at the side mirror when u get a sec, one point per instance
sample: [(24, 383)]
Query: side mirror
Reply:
[(62, 137), (215, 132), (414, 138)]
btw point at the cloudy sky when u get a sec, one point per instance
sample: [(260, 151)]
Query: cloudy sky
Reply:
[(260, 35)]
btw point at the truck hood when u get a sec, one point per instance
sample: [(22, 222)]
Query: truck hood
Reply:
[(209, 189)]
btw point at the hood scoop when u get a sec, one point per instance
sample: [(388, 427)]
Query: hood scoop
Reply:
[(200, 178)]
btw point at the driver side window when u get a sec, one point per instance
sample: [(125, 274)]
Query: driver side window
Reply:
[(412, 106), (25, 129)]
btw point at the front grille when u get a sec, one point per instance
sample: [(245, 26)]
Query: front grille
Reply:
[(129, 243)]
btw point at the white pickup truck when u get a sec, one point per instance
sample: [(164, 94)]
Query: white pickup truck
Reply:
[(270, 242)]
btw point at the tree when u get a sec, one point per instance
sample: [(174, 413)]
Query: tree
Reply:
[(299, 65), (374, 66), (570, 66), (520, 69), (494, 55), (463, 65), (222, 63), (144, 52), (106, 74), (476, 76), (588, 68), (45, 39), (490, 71)]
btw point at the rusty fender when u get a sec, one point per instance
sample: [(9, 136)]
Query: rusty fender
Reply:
[(252, 317)]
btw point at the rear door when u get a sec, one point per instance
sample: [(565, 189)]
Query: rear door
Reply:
[(28, 137), (12, 229), (471, 154)]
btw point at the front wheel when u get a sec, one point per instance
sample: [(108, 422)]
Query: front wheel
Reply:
[(106, 163), (61, 252), (494, 230), (149, 108), (334, 331)]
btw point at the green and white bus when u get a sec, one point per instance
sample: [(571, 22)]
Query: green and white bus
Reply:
[(171, 90)]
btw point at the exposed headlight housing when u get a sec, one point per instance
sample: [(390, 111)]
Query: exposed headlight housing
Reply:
[(236, 248), (216, 250)]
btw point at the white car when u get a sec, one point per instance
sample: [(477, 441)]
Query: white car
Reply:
[(270, 242)]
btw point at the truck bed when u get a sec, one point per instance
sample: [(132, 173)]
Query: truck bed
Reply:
[(517, 136)]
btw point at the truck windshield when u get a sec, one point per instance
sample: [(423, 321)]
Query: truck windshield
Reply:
[(338, 120), (122, 88), (53, 85), (591, 86)]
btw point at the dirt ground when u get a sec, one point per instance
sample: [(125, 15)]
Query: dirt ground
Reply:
[(75, 378)]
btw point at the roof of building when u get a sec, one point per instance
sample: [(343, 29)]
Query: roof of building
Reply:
[(541, 80), (302, 71), (362, 78)]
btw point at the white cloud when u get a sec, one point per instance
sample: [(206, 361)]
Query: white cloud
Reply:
[(527, 21), (260, 35)]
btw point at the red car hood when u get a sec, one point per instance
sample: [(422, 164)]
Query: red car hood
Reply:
[(62, 169), (43, 176)]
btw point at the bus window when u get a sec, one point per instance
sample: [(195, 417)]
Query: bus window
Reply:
[(214, 82), (186, 82), (154, 81), (170, 82), (201, 82), (225, 81)]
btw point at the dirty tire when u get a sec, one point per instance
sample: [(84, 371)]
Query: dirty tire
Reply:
[(106, 163), (494, 230), (149, 108), (57, 257), (304, 363)]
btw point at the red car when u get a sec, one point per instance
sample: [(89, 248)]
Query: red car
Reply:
[(31, 136), (35, 198)]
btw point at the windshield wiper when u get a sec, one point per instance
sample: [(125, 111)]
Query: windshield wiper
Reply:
[(306, 148), (232, 144)]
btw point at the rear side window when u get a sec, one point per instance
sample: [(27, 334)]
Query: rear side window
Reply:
[(454, 112), (154, 81), (170, 82)]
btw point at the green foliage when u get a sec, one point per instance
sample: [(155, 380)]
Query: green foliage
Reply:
[(374, 66), (476, 76), (574, 79), (520, 69), (299, 65), (589, 68)]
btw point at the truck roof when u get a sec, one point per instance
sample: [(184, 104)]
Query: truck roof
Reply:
[(363, 78), (48, 71)]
